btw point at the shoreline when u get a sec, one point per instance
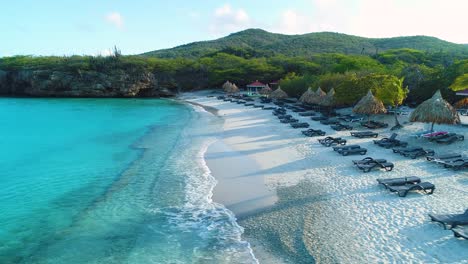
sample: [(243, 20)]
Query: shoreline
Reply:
[(327, 210)]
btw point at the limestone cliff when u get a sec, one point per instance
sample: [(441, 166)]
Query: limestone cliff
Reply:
[(115, 83)]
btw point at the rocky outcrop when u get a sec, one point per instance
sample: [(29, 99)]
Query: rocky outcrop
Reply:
[(116, 83)]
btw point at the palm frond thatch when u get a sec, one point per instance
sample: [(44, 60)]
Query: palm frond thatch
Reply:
[(369, 105), (306, 95), (320, 92), (329, 99), (266, 90), (278, 94), (436, 111), (234, 88), (226, 86)]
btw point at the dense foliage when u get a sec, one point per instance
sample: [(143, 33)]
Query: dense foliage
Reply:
[(387, 73)]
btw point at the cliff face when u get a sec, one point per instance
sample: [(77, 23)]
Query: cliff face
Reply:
[(116, 83)]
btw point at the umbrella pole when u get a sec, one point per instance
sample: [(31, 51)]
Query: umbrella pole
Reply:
[(432, 127)]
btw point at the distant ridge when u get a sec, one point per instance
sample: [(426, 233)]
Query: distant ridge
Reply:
[(267, 43)]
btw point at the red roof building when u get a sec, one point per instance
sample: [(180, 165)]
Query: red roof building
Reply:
[(254, 87)]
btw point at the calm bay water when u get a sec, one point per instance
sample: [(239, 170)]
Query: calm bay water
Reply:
[(110, 181)]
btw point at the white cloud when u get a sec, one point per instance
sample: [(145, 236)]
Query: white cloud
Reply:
[(294, 22), (116, 19), (227, 19)]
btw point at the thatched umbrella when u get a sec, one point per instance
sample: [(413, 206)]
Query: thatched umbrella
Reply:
[(329, 99), (463, 103), (435, 110), (306, 95), (234, 88), (278, 94), (226, 86), (369, 105), (266, 90)]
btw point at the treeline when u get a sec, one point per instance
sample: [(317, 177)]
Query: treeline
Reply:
[(422, 72)]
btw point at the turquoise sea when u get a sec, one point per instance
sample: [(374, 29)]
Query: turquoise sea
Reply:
[(110, 181)]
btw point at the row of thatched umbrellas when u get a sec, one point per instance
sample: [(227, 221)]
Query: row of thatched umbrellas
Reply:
[(434, 110)]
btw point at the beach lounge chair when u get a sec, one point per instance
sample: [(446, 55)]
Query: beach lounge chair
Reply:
[(346, 152), (345, 147), (434, 134), (457, 165), (418, 153), (374, 124), (364, 134), (313, 132), (330, 121), (399, 181), (308, 113), (319, 118), (368, 160), (442, 157), (249, 104), (330, 141), (460, 231), (258, 106), (449, 161), (269, 108), (402, 190), (450, 220), (284, 116), (385, 139), (388, 166), (300, 125), (289, 120), (341, 127), (450, 139)]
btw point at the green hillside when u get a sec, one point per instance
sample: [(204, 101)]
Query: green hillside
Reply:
[(266, 43)]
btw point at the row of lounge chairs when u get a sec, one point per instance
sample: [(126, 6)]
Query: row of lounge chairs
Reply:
[(458, 223), (368, 164), (407, 184), (341, 127)]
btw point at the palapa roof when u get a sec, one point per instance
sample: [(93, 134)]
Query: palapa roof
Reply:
[(369, 105), (266, 90), (278, 94), (320, 92), (306, 95), (435, 110), (226, 86), (329, 99)]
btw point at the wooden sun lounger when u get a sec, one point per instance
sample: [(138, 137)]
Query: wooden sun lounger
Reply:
[(329, 141), (402, 190), (450, 220), (399, 181), (461, 231), (289, 120)]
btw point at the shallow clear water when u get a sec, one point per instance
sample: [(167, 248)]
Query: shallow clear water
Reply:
[(110, 181)]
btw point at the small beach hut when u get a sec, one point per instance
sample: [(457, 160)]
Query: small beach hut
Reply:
[(306, 95), (254, 87), (369, 105), (266, 90), (436, 111), (278, 94)]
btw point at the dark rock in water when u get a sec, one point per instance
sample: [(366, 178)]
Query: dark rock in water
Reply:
[(115, 83)]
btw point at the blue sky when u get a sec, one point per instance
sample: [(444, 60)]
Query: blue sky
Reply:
[(69, 27)]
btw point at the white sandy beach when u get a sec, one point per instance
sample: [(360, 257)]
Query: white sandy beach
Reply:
[(297, 199)]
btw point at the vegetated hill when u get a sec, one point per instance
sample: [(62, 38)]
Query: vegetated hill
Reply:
[(308, 44)]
